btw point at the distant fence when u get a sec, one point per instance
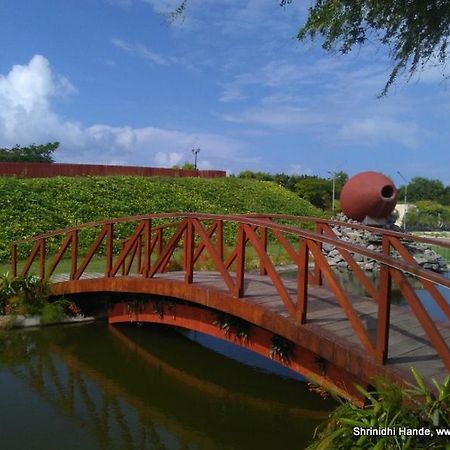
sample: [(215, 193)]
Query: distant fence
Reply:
[(44, 170)]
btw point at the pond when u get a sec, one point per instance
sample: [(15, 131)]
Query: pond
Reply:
[(95, 386)]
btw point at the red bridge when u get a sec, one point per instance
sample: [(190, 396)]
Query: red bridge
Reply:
[(218, 275)]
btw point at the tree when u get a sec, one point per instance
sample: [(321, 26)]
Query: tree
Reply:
[(340, 179), (316, 190), (185, 166), (32, 153), (421, 188), (416, 31)]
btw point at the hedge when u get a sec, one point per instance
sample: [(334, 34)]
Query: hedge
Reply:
[(34, 206)]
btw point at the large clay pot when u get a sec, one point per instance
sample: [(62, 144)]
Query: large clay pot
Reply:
[(368, 194)]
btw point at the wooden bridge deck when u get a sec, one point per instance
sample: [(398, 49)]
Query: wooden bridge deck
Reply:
[(408, 343)]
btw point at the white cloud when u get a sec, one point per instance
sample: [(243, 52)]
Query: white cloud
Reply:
[(141, 51), (298, 169), (370, 131), (25, 112), (168, 159), (275, 116), (231, 93), (26, 116)]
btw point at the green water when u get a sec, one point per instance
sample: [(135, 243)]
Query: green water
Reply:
[(146, 387)]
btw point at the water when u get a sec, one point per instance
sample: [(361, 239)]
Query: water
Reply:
[(146, 387), (352, 285)]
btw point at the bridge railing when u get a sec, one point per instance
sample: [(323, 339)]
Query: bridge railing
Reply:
[(154, 241)]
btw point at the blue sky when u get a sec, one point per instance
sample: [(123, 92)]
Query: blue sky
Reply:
[(114, 83)]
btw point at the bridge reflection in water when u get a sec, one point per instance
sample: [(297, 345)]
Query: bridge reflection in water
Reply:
[(142, 388)]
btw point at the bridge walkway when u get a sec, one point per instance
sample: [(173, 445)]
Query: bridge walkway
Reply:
[(409, 345)]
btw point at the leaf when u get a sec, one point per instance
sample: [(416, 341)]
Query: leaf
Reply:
[(380, 444)]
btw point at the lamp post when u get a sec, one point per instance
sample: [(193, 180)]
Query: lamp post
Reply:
[(406, 205), (333, 178), (195, 152)]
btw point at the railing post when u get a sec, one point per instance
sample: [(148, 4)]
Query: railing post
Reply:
[(160, 241), (74, 268), (262, 269), (317, 270), (109, 249), (123, 265), (240, 262), (302, 282), (42, 258), (147, 247), (219, 238), (14, 260), (384, 306), (139, 253), (189, 252)]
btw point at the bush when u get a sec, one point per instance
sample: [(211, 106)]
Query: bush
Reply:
[(23, 295), (428, 215), (389, 407), (53, 312), (35, 206)]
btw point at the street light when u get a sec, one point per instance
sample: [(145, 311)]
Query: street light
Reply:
[(406, 205), (195, 152), (333, 177)]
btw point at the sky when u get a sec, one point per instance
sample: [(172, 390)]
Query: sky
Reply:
[(115, 83)]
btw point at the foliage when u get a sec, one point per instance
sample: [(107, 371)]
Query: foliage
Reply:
[(389, 407), (233, 325), (30, 296), (281, 349), (185, 166), (416, 31), (23, 295), (318, 191), (421, 188), (428, 215), (53, 312), (32, 153), (34, 206)]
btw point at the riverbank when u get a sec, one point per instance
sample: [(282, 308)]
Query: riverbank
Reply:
[(21, 321)]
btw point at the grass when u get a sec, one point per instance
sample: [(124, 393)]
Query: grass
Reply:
[(277, 253)]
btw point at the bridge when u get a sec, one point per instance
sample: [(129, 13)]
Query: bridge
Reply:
[(217, 274)]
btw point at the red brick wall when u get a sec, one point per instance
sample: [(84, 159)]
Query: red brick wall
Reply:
[(42, 170)]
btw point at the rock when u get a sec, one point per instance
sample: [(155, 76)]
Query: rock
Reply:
[(358, 258), (423, 254), (420, 259)]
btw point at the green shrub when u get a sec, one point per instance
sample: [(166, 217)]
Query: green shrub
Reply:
[(428, 215), (35, 206), (23, 295), (53, 312), (389, 407)]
